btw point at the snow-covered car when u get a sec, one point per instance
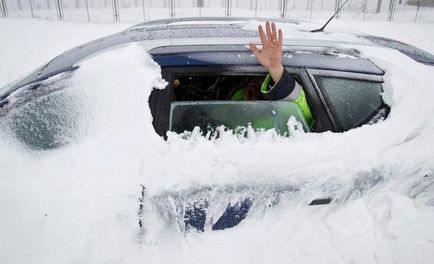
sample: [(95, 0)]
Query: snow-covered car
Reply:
[(203, 61), (342, 88)]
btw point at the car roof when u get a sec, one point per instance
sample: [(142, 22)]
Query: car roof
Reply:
[(202, 31), (209, 20)]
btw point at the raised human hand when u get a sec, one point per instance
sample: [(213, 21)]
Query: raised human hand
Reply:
[(271, 54)]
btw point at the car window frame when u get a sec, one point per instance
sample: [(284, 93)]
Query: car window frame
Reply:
[(160, 100)]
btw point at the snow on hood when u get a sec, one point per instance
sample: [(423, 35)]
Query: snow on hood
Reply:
[(81, 200)]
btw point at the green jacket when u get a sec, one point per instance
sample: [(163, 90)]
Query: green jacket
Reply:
[(285, 89)]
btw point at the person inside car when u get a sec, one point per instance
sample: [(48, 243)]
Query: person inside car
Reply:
[(279, 83)]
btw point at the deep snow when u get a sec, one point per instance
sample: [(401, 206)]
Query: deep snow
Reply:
[(79, 204)]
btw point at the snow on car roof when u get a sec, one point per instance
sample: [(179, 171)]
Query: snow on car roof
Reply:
[(207, 20), (179, 32), (197, 31), (244, 27)]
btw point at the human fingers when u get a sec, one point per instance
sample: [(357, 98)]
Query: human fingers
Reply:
[(253, 48), (274, 32), (262, 36), (280, 40), (268, 29)]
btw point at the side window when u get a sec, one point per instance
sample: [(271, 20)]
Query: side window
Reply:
[(193, 87), (185, 115), (353, 102), (210, 100)]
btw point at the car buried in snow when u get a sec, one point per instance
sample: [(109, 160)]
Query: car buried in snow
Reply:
[(204, 60)]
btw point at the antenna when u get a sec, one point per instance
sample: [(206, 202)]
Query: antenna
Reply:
[(330, 19)]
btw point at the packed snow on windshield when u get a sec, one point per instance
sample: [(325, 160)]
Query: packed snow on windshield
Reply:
[(119, 193)]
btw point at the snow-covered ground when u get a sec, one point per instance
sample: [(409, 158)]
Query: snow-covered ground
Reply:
[(79, 204)]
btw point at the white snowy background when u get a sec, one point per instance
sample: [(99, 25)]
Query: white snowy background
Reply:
[(139, 10), (79, 203)]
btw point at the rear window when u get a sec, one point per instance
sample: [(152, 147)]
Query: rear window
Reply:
[(353, 102)]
